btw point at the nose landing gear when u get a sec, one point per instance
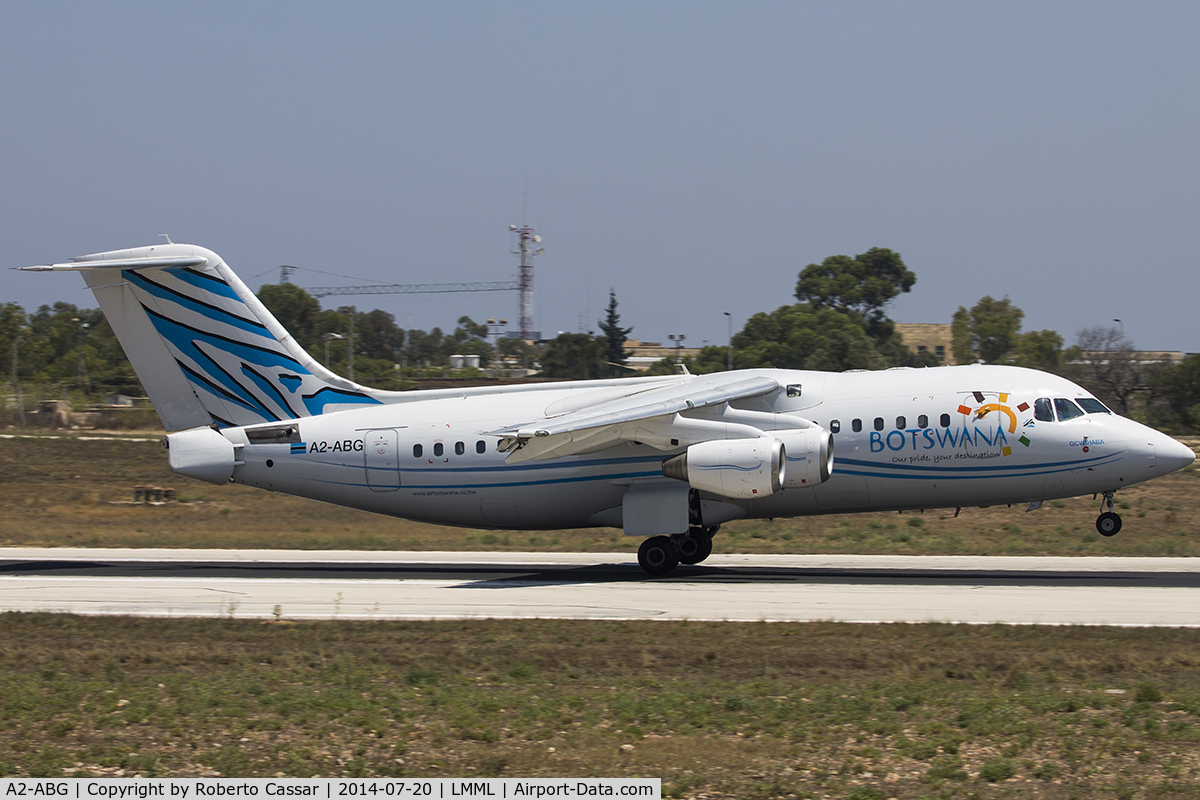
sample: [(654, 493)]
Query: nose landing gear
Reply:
[(1108, 523)]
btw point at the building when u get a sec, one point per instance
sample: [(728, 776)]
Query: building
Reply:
[(931, 337), (644, 354)]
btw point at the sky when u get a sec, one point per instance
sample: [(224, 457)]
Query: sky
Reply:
[(692, 157)]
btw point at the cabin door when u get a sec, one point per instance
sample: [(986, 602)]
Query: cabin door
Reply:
[(382, 460)]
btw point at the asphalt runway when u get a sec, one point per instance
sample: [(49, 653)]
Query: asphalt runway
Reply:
[(414, 585)]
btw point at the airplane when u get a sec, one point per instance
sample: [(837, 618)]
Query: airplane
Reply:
[(669, 459)]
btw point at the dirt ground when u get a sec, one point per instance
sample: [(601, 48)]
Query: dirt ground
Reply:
[(70, 492)]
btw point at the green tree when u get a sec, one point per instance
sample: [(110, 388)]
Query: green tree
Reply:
[(13, 329), (1039, 350), (425, 348), (378, 336), (803, 337), (574, 356), (615, 354), (988, 332), (296, 310), (1176, 390), (861, 285), (518, 350)]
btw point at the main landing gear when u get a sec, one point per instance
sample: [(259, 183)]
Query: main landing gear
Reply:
[(1108, 523), (658, 555)]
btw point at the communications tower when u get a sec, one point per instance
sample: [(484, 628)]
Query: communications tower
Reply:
[(526, 239)]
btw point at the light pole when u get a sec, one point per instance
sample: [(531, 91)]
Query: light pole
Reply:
[(678, 340), (329, 337), (80, 363), (729, 350), (16, 386), (1122, 324)]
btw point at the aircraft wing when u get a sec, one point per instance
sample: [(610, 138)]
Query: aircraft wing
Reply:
[(654, 417)]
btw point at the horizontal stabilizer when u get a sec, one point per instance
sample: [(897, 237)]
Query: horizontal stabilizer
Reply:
[(158, 262)]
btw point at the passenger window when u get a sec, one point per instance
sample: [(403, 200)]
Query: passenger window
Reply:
[(1093, 406), (901, 423), (835, 426), (417, 450), (923, 421), (459, 448), (438, 449), (856, 425), (879, 423), (1042, 411), (944, 420), (1066, 409), (793, 390), (481, 447)]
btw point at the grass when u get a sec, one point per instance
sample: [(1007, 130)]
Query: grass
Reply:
[(60, 492), (714, 709)]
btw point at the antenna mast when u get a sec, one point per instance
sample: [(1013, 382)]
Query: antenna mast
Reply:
[(526, 239)]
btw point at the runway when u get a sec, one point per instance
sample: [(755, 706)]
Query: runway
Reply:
[(422, 585)]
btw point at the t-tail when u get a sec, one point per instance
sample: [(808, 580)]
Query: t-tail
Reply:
[(206, 350)]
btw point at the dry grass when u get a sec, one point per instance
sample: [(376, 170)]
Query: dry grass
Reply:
[(57, 492), (715, 709)]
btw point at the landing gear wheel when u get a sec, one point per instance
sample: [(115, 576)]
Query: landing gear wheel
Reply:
[(695, 546), (1108, 523), (658, 556)]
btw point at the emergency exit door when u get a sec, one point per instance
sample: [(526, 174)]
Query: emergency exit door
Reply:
[(382, 460)]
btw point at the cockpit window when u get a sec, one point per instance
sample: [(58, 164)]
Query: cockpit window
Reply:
[(1093, 406), (1066, 409), (1042, 410)]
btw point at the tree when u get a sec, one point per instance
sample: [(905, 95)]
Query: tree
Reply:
[(615, 353), (574, 356), (12, 330), (803, 337), (1039, 350), (862, 285), (518, 350), (296, 310), (1176, 389), (378, 336), (988, 332), (1105, 363)]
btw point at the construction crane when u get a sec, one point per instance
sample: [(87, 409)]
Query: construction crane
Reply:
[(526, 239), (416, 288)]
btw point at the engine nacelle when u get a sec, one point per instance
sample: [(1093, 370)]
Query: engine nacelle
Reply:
[(809, 456), (738, 468), (201, 453)]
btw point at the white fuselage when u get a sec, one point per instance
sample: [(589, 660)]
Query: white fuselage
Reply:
[(903, 440)]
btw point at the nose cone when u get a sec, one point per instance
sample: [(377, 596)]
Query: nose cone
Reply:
[(1172, 455)]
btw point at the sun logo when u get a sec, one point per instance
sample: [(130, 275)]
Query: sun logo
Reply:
[(1001, 407)]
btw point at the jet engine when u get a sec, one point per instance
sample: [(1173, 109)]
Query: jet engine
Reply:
[(737, 468), (809, 456), (201, 453)]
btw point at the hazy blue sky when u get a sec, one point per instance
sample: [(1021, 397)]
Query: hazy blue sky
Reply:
[(692, 156)]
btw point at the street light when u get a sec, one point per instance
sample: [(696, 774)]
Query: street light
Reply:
[(329, 337), (729, 351), (678, 340), (1122, 324), (80, 363)]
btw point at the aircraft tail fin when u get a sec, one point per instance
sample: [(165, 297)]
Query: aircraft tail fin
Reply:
[(206, 350)]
